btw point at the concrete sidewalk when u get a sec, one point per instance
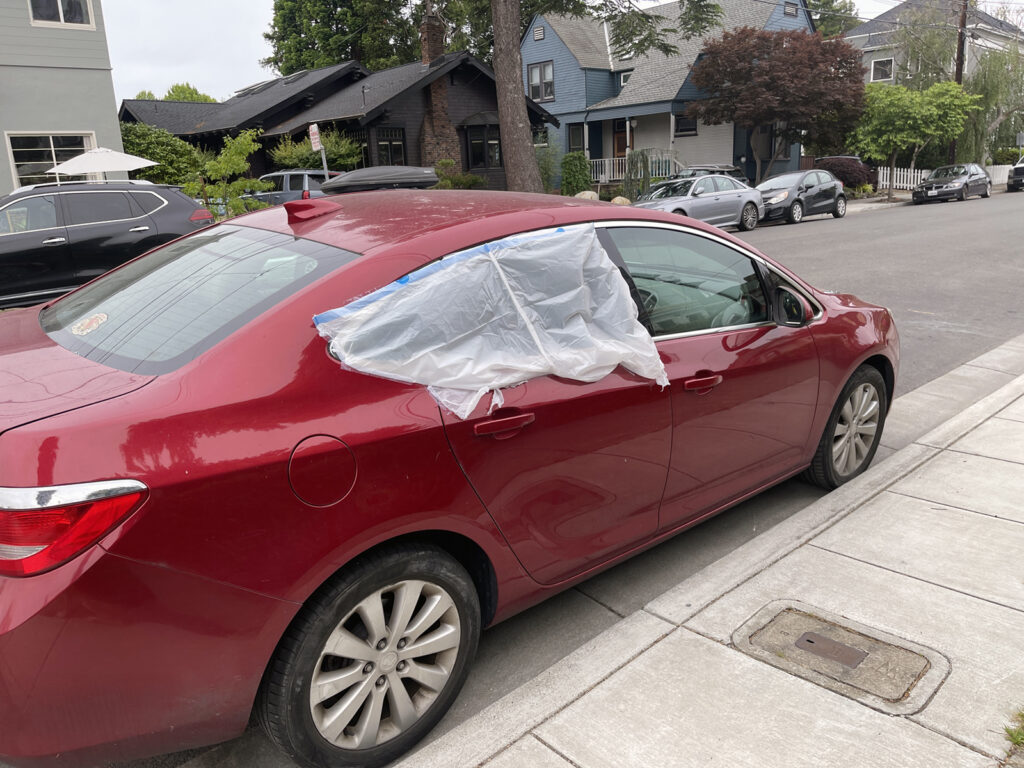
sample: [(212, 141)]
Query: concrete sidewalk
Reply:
[(908, 587)]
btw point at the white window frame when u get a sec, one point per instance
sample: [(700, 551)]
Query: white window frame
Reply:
[(892, 70), (540, 66), (90, 144), (790, 8), (624, 77), (64, 24)]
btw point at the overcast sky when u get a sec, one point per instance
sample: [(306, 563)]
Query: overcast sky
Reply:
[(215, 45)]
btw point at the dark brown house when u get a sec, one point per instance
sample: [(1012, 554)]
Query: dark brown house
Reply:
[(444, 107)]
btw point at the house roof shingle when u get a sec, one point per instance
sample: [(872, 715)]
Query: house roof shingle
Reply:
[(879, 29), (657, 77)]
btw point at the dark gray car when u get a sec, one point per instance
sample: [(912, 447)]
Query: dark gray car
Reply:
[(802, 193), (953, 182), (719, 200)]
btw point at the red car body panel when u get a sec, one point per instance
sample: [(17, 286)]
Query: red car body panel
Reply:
[(270, 468)]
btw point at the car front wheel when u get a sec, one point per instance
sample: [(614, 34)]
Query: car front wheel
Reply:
[(840, 210), (988, 190), (373, 660), (796, 213), (748, 218), (853, 431)]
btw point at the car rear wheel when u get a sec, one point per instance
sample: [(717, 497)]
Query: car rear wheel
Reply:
[(796, 213), (679, 212), (988, 190), (853, 431), (748, 218), (840, 210), (373, 660)]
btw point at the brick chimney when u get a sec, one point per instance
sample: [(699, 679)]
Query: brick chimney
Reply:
[(438, 139), (431, 35)]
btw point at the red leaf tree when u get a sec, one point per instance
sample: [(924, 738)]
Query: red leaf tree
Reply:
[(783, 87)]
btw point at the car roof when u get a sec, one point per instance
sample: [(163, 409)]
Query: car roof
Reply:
[(431, 223), (53, 186)]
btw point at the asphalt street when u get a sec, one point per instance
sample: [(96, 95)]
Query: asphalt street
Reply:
[(951, 274)]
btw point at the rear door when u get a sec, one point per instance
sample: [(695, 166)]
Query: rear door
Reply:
[(34, 262), (105, 229)]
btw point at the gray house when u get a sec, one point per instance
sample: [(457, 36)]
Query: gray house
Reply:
[(56, 91), (881, 40)]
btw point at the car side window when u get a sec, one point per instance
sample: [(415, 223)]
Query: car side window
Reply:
[(92, 207), (314, 181), (690, 283), (277, 180), (702, 187), (726, 185), (295, 182), (147, 201), (29, 214)]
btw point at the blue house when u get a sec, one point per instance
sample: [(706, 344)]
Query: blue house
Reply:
[(608, 106)]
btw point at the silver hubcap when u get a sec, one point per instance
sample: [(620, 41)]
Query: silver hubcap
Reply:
[(749, 216), (855, 430), (385, 664), (798, 212), (841, 206)]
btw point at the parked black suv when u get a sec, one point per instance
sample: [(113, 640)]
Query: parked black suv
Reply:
[(55, 237), (1015, 179)]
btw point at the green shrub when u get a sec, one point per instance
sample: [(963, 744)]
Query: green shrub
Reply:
[(860, 191), (179, 161), (1005, 156), (575, 173), (449, 178), (342, 153), (547, 163), (608, 193), (638, 174)]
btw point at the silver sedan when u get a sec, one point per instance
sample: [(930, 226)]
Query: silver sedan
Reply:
[(719, 200)]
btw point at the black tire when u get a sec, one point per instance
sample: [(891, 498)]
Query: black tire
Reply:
[(840, 209), (830, 452), (376, 674), (963, 193), (988, 190), (795, 214), (748, 217), (679, 212)]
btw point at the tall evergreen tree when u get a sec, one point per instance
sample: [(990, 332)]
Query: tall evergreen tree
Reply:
[(307, 34), (833, 18)]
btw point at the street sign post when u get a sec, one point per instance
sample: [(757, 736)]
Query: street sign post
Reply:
[(314, 140)]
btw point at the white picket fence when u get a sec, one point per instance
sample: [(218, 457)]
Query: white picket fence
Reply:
[(908, 179), (905, 177)]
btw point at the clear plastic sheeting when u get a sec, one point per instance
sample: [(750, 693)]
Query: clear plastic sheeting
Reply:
[(550, 302)]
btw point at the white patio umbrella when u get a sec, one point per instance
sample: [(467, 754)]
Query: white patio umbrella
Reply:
[(100, 160)]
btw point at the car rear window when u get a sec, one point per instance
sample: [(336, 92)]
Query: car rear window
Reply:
[(161, 311)]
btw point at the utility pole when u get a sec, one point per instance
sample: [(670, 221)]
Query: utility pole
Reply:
[(958, 75)]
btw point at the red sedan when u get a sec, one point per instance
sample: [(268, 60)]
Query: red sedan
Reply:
[(204, 514)]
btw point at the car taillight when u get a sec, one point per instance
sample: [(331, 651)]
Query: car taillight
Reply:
[(305, 194), (41, 528), (201, 214)]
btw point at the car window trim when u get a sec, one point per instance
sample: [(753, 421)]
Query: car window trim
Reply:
[(164, 202), (107, 221), (758, 260), (57, 206)]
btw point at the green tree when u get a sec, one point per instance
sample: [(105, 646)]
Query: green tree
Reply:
[(186, 92), (307, 34), (896, 119), (833, 18), (925, 47), (342, 153), (146, 95), (789, 84), (178, 160), (998, 81), (223, 183), (575, 173)]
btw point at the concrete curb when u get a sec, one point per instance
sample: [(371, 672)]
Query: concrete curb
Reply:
[(499, 726)]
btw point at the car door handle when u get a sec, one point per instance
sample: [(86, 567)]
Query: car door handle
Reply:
[(703, 383), (139, 229), (54, 240), (503, 425)]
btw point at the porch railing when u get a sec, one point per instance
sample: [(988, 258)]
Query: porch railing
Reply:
[(608, 169)]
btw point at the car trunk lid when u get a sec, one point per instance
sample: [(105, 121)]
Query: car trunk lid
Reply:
[(39, 378)]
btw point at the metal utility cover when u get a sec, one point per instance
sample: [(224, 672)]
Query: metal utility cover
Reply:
[(882, 671)]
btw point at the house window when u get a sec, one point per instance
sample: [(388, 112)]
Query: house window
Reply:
[(484, 146), (542, 81), (390, 146), (358, 135), (34, 155), (540, 135), (790, 9), (881, 69), (538, 33), (576, 137), (624, 78), (685, 126), (48, 13)]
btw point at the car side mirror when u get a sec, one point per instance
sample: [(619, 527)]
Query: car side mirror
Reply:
[(791, 308), (696, 193)]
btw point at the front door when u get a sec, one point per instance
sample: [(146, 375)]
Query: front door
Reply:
[(619, 144), (581, 479), (744, 390)]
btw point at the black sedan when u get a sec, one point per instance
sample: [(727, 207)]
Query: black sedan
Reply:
[(953, 182), (802, 193)]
